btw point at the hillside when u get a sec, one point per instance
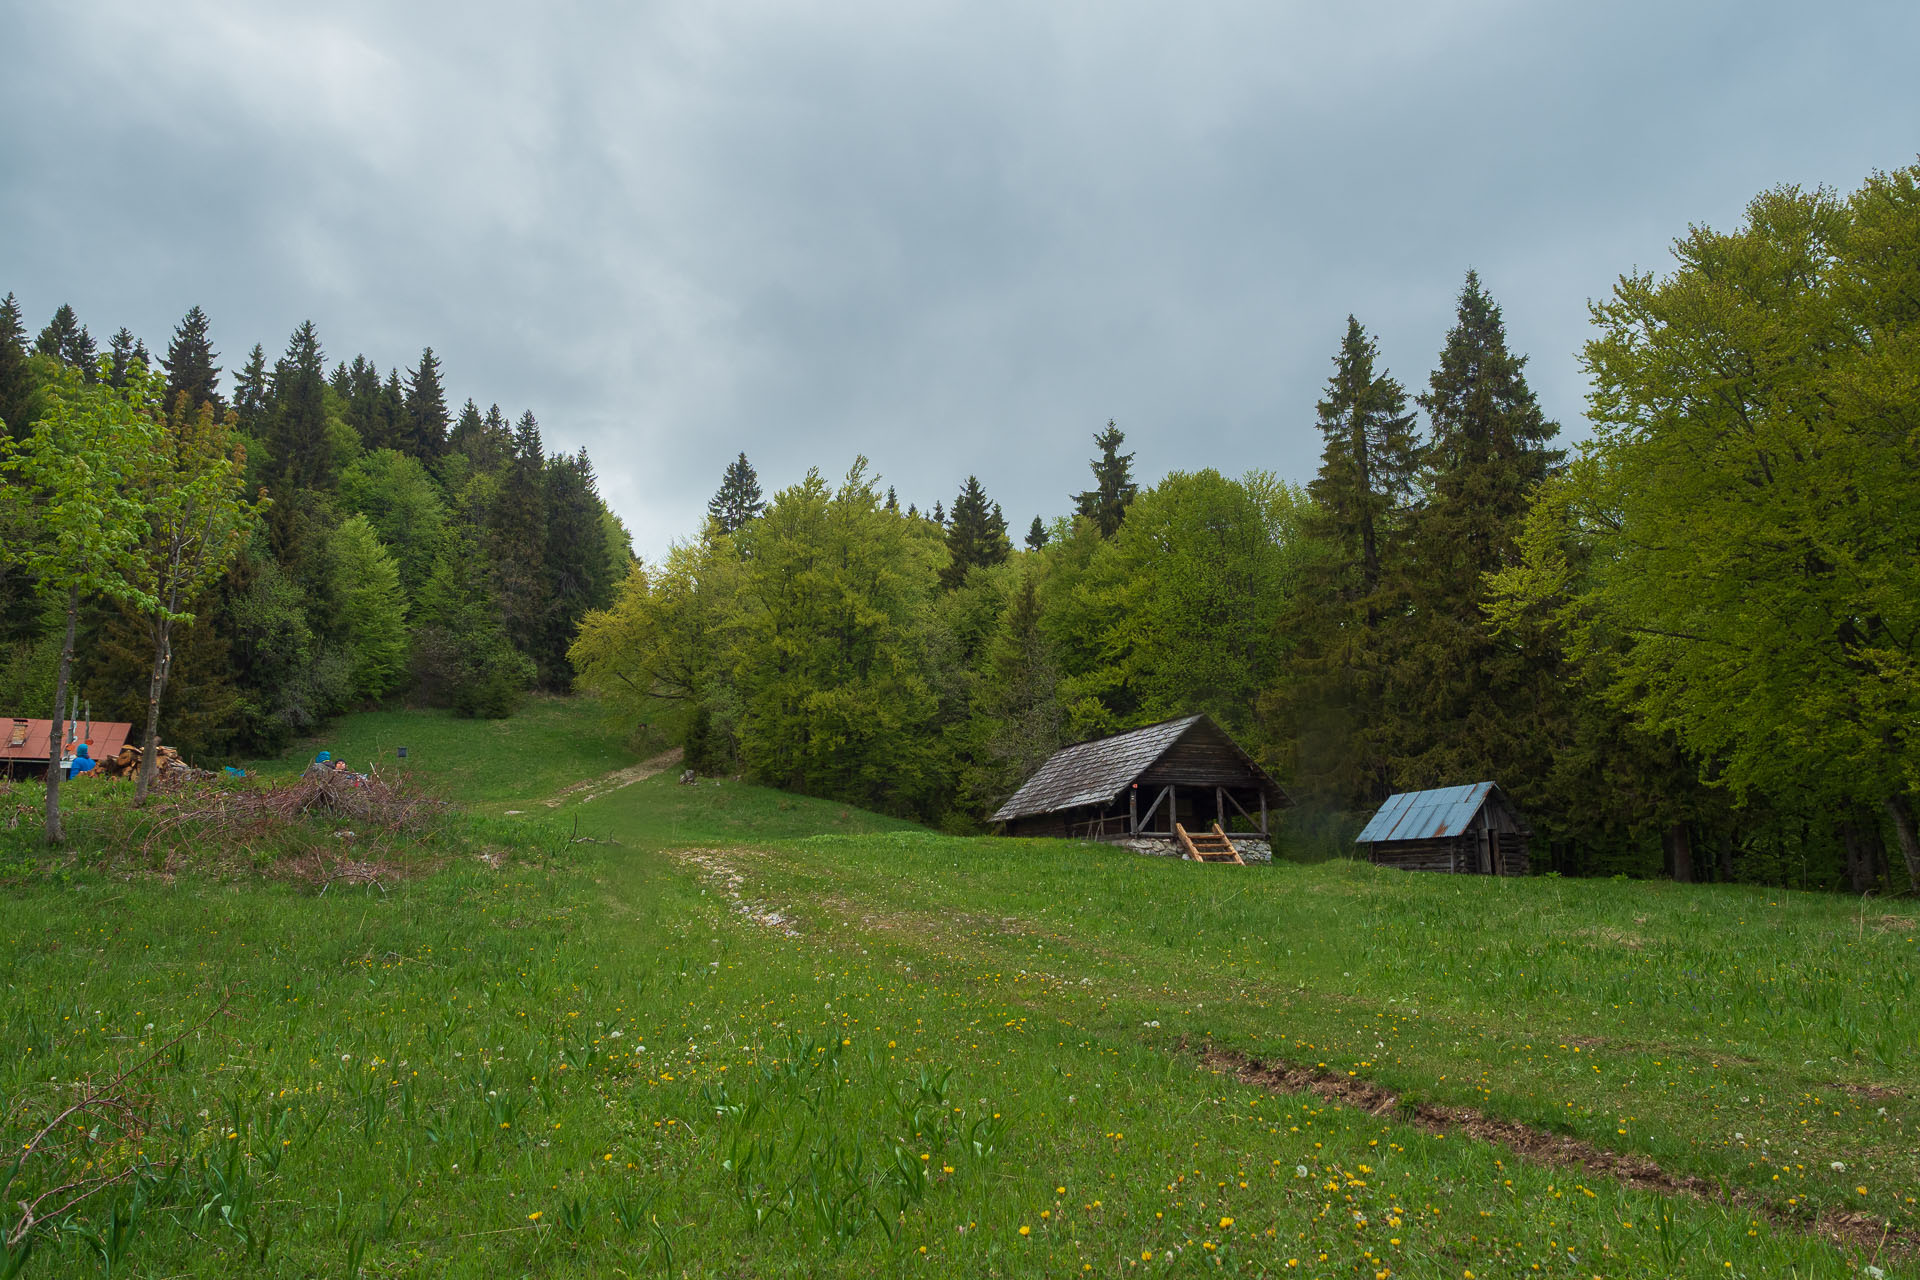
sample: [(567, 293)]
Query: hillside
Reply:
[(720, 1030)]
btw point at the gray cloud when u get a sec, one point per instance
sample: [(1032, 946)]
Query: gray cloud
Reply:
[(955, 237)]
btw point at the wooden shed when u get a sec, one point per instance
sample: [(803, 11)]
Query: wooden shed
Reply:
[(1171, 781), (1468, 830)]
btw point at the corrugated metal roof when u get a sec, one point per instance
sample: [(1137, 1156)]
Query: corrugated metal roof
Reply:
[(1092, 772), (1427, 815)]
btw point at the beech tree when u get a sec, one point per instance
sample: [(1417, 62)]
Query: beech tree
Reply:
[(75, 520), (192, 489), (1735, 547)]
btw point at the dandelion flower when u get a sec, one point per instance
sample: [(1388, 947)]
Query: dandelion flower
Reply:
[(534, 1216), (1226, 1222), (1026, 1230)]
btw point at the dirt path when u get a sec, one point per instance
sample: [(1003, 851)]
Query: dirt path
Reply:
[(597, 787)]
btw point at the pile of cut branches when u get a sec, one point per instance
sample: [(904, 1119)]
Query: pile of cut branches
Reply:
[(317, 816)]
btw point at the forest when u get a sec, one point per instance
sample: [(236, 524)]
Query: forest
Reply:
[(257, 557), (1688, 645)]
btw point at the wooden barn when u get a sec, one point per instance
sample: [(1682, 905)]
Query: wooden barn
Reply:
[(1183, 781), (1469, 830)]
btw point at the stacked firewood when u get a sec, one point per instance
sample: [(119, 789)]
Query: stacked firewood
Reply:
[(167, 763)]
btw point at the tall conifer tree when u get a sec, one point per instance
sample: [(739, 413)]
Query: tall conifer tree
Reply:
[(1113, 487), (739, 499), (518, 538), (358, 385), (16, 382), (123, 349), (1468, 707), (1036, 535), (976, 534), (190, 363), (252, 394), (67, 340), (297, 433), (426, 419), (1329, 702)]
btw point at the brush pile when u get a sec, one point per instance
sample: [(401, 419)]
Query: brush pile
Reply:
[(317, 815)]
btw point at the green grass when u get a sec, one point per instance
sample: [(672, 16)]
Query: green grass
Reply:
[(606, 1058), (487, 765)]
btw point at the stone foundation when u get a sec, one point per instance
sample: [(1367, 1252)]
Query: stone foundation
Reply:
[(1251, 849)]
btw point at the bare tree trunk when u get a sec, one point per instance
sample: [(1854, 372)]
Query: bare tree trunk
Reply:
[(1853, 837), (162, 665), (1679, 843), (56, 834), (1903, 824)]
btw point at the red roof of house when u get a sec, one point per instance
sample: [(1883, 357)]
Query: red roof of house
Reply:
[(22, 739)]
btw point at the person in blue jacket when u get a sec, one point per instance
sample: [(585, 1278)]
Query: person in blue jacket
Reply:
[(83, 761)]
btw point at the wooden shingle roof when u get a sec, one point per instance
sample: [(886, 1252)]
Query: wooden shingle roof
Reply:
[(1097, 772)]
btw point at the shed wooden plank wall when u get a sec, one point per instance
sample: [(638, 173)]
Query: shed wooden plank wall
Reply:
[(1203, 758)]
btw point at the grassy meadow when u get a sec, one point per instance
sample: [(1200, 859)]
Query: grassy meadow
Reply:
[(721, 1031)]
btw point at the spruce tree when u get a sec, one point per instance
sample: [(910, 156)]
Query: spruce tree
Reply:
[(939, 514), (190, 363), (893, 499), (976, 534), (496, 441), (1329, 702), (252, 394), (1113, 487), (426, 410), (1468, 707), (358, 385), (16, 381), (1036, 535), (297, 429), (67, 340), (390, 414), (517, 533), (738, 499), (579, 572), (122, 350), (1368, 463), (467, 429)]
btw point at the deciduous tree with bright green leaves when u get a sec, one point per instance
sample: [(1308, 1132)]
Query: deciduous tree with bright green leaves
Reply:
[(833, 696), (192, 488), (75, 520), (1738, 547)]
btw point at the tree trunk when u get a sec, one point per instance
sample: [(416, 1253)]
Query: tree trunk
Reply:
[(1903, 824), (150, 753), (1679, 844), (1726, 859), (1860, 860), (56, 834)]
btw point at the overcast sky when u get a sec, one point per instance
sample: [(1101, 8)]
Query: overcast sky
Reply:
[(953, 237)]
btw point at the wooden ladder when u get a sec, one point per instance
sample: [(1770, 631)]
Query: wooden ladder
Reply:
[(1208, 846)]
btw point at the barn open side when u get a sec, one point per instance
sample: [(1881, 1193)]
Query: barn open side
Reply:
[(1159, 782)]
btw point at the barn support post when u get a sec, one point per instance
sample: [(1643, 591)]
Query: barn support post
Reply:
[(1220, 808), (1133, 810), (1263, 813)]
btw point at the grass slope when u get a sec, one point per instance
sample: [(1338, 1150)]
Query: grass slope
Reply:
[(762, 1034), (487, 765)]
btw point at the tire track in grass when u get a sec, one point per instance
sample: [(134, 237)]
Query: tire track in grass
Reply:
[(609, 783), (1556, 1150)]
